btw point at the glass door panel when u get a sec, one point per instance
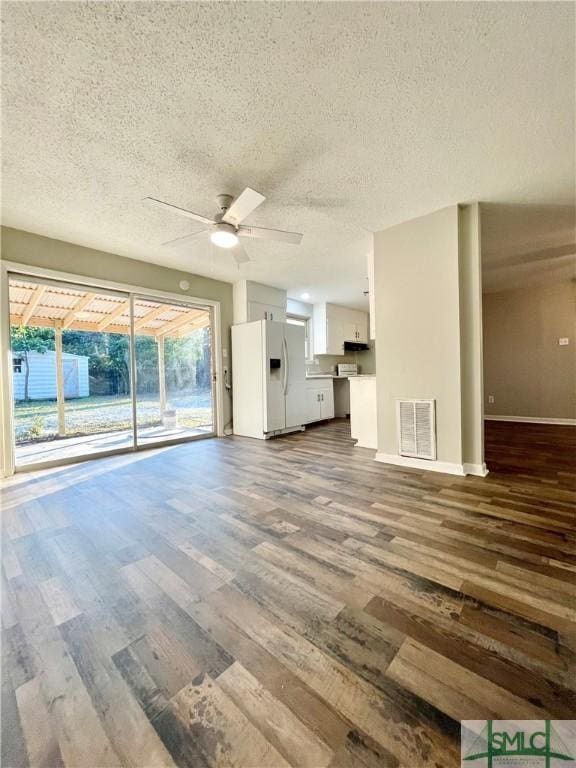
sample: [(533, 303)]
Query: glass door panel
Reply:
[(98, 405), (70, 350), (174, 386)]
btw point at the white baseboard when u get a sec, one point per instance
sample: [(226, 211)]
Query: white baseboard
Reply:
[(431, 466), (531, 420), (480, 470)]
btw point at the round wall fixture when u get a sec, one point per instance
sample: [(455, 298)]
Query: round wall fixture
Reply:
[(184, 285)]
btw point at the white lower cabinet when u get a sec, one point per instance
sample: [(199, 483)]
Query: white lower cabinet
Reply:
[(327, 402), (319, 399)]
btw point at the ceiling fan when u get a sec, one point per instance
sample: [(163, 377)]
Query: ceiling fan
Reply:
[(226, 228)]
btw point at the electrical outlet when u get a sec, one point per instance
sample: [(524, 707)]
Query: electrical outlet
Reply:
[(491, 399), (564, 341)]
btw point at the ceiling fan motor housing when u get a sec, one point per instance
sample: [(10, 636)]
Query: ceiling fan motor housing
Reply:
[(224, 202), (223, 226)]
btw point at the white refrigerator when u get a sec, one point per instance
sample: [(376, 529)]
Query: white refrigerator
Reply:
[(268, 378)]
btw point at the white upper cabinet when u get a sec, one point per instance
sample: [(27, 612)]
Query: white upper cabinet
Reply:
[(259, 311), (333, 325), (254, 301), (361, 326)]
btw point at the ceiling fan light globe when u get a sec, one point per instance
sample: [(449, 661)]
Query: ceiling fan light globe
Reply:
[(224, 238)]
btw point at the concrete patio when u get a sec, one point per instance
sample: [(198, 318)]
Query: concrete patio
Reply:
[(68, 448)]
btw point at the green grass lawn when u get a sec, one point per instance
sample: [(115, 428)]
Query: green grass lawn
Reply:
[(37, 420), (33, 408)]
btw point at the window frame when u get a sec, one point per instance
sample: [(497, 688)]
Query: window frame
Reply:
[(307, 323)]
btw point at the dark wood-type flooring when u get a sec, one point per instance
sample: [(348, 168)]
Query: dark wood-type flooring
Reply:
[(290, 603)]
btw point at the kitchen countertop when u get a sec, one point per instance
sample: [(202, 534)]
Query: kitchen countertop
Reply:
[(335, 376)]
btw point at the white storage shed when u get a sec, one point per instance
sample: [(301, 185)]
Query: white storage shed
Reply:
[(42, 375)]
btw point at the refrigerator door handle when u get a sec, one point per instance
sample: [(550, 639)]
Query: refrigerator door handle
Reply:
[(285, 352)]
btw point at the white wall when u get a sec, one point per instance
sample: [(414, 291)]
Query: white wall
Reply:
[(424, 270), (471, 344)]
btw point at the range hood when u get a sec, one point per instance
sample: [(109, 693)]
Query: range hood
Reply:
[(355, 346)]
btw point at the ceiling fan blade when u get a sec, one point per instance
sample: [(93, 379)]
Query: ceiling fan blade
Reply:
[(178, 241), (242, 206), (259, 233), (176, 209), (240, 254)]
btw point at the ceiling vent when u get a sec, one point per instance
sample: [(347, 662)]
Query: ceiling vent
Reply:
[(416, 422)]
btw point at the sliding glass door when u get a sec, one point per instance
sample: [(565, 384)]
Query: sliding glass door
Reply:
[(97, 371)]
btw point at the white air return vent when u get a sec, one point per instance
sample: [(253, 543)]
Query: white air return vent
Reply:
[(416, 428)]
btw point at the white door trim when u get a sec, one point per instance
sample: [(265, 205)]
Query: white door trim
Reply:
[(429, 465), (480, 470), (446, 467)]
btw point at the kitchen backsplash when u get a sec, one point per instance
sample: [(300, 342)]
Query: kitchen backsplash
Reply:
[(366, 362)]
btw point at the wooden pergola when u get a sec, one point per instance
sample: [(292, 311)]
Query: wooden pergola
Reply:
[(50, 305)]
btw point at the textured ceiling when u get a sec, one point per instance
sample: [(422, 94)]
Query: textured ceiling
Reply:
[(349, 117)]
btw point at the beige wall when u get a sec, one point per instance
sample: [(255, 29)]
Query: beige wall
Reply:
[(470, 268), (525, 369), (37, 251), (424, 270)]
